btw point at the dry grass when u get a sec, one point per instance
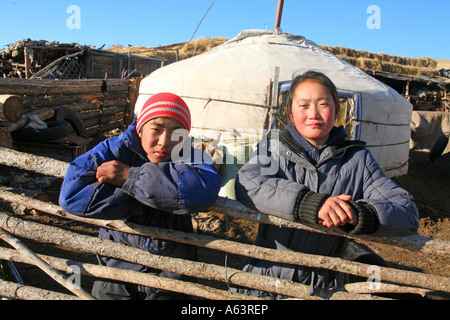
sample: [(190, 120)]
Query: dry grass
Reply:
[(385, 62), (363, 60), (169, 52), (443, 64)]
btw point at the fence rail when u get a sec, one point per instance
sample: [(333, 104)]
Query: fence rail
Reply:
[(399, 280)]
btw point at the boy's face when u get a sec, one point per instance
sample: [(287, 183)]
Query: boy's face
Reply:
[(156, 138), (313, 112)]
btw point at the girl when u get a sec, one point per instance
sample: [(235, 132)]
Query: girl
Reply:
[(320, 177)]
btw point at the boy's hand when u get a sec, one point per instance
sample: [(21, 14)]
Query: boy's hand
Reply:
[(337, 212), (113, 172)]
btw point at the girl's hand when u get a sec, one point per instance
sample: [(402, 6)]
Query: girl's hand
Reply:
[(337, 212)]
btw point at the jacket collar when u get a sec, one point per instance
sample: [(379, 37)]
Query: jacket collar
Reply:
[(132, 140), (336, 146), (336, 133)]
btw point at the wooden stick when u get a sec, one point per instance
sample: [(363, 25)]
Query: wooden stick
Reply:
[(414, 242), (44, 266), (364, 287), (130, 276), (20, 292)]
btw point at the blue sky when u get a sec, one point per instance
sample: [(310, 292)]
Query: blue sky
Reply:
[(413, 28)]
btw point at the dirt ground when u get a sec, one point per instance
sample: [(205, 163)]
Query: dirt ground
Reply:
[(427, 181)]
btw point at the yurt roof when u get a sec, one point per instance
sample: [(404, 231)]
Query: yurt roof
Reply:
[(228, 88)]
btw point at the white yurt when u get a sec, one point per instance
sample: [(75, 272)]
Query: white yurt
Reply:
[(237, 90)]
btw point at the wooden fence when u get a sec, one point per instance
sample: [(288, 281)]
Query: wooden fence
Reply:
[(393, 280)]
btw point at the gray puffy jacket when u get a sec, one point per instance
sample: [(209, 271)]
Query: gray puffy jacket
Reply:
[(281, 179)]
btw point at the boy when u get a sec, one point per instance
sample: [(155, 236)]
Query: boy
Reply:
[(134, 176)]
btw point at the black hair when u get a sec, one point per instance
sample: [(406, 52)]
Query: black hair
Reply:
[(315, 76)]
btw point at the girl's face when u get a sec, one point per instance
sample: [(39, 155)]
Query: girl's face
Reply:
[(313, 112), (156, 138)]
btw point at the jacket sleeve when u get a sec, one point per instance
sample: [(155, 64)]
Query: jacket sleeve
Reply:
[(176, 188), (395, 207), (83, 195), (260, 185)]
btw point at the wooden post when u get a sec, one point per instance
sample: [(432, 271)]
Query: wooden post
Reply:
[(133, 92), (26, 52), (278, 15)]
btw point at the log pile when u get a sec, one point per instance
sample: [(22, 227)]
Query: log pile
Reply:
[(100, 105), (24, 58)]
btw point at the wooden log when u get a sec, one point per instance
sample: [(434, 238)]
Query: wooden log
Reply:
[(57, 101), (115, 103), (363, 287), (96, 130), (411, 242), (27, 161), (68, 239), (129, 276), (285, 257), (94, 105), (66, 87), (11, 108), (20, 292), (44, 266), (105, 119), (96, 113), (84, 106)]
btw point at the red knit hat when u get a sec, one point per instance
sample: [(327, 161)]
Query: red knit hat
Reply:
[(166, 105)]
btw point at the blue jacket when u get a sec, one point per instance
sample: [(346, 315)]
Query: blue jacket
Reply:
[(155, 194)]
